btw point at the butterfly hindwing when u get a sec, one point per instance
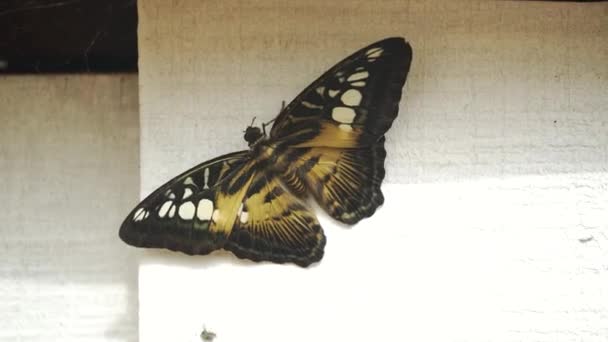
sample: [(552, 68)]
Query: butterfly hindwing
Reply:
[(352, 104), (345, 182), (275, 225)]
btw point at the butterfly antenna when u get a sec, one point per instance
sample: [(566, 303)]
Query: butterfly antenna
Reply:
[(252, 121)]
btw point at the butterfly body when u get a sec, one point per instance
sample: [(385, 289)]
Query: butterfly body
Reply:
[(328, 143)]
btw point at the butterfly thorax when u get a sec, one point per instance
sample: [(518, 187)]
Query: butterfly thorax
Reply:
[(260, 146), (264, 150)]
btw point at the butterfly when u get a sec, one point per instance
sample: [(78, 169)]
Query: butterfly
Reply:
[(328, 143)]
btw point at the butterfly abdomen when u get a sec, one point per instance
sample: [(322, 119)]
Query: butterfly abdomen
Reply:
[(294, 183)]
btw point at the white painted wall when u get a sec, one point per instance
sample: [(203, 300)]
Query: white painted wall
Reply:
[(495, 225), (69, 173)]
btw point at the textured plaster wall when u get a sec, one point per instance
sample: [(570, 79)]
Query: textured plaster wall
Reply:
[(69, 173), (495, 225)]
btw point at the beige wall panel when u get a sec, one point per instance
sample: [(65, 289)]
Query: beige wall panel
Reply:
[(496, 170), (488, 79), (69, 158)]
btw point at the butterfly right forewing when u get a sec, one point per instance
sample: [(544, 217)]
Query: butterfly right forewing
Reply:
[(352, 104)]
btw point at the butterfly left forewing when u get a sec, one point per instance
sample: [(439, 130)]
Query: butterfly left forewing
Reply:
[(182, 214), (234, 202)]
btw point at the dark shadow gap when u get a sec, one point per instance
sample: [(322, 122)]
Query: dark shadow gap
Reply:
[(77, 36)]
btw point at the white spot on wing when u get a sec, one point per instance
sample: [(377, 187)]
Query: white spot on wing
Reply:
[(164, 209), (187, 193), (320, 90), (204, 210), (343, 114), (345, 127), (333, 93), (186, 211), (358, 76), (358, 84), (351, 97), (206, 178), (374, 53), (311, 105), (172, 211), (139, 214), (244, 216), (189, 181)]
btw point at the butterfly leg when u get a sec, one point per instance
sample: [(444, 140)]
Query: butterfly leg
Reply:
[(271, 121)]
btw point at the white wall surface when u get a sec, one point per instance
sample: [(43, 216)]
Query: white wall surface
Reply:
[(495, 225), (69, 174)]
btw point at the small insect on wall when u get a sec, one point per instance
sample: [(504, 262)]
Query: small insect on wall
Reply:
[(328, 144)]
